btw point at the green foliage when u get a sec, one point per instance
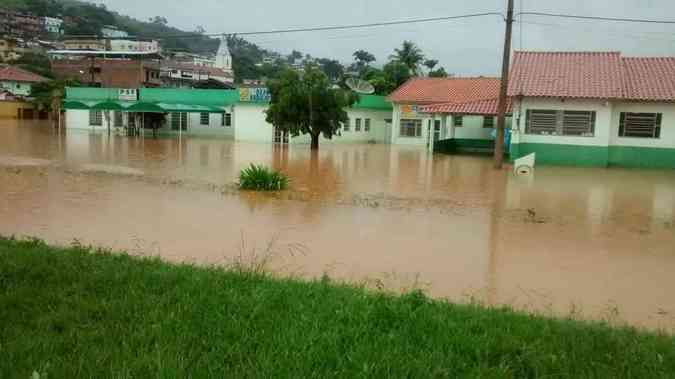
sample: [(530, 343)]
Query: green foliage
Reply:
[(36, 63), (40, 8), (46, 95), (89, 19), (410, 55), (390, 77), (308, 104), (261, 178), (74, 313), (332, 68), (439, 73)]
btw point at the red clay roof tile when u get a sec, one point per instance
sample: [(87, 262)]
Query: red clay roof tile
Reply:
[(649, 79), (445, 90), (13, 73), (566, 74), (480, 108)]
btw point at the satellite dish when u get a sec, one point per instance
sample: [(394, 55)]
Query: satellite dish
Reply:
[(360, 86)]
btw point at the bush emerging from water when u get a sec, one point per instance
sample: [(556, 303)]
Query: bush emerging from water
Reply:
[(261, 178)]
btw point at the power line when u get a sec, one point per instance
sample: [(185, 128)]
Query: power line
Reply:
[(339, 27), (599, 18)]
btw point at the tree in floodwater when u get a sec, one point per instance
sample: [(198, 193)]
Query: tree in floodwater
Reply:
[(308, 104)]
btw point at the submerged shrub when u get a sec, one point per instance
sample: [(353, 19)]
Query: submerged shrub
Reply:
[(261, 178)]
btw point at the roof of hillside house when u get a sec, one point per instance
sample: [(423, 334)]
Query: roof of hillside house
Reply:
[(445, 90), (649, 79), (213, 71), (15, 74), (581, 75), (478, 108)]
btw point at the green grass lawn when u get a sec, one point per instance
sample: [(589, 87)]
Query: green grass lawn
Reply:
[(70, 313)]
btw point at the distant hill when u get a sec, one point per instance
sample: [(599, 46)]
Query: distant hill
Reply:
[(89, 18)]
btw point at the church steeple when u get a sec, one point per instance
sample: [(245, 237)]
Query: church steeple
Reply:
[(223, 57)]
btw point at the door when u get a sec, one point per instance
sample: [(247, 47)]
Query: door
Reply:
[(387, 131), (437, 130)]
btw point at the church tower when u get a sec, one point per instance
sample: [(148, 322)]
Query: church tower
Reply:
[(223, 57)]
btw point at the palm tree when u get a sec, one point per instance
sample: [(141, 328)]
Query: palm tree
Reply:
[(410, 55)]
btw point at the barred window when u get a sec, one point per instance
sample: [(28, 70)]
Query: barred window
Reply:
[(346, 125), (560, 122), (357, 125), (488, 122), (411, 128), (95, 118), (578, 123), (204, 118), (366, 126), (458, 121), (541, 121), (640, 125)]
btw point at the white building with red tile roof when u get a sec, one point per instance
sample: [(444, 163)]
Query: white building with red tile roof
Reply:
[(431, 109), (18, 81), (593, 109)]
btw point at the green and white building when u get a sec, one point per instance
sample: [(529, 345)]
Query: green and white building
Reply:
[(593, 109), (236, 114), (427, 111)]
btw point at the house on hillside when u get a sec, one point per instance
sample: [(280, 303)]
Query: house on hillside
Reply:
[(52, 25), (11, 49), (432, 109), (111, 31), (593, 109), (18, 81)]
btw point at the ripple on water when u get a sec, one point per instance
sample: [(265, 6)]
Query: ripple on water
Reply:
[(13, 161), (110, 169)]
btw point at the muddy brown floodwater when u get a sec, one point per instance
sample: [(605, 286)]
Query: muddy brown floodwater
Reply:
[(592, 243)]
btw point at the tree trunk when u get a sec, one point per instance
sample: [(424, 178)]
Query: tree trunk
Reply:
[(315, 141)]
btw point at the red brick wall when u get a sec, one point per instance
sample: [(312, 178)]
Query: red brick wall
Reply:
[(113, 73)]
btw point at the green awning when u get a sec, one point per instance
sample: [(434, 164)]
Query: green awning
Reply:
[(146, 107), (112, 105), (375, 102), (77, 105)]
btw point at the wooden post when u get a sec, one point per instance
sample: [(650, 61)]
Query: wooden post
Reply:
[(501, 106)]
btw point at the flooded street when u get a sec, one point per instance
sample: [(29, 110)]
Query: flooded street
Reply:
[(594, 243)]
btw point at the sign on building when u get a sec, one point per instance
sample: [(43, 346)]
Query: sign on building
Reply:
[(261, 94), (409, 111), (127, 94)]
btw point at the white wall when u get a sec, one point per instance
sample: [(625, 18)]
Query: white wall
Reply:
[(79, 119), (214, 127), (397, 139), (603, 119), (667, 139), (250, 124), (472, 128)]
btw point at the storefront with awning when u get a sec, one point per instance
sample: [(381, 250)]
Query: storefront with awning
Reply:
[(197, 110)]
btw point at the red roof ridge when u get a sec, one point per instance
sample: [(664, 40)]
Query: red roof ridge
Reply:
[(586, 52)]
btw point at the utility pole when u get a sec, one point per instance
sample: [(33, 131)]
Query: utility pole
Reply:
[(501, 106)]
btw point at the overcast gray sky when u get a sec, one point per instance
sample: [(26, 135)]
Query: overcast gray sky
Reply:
[(464, 47)]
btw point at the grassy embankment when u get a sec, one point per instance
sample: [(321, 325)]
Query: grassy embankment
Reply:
[(72, 313)]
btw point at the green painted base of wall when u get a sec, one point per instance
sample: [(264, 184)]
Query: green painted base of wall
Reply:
[(463, 145), (564, 155), (596, 156), (645, 157)]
